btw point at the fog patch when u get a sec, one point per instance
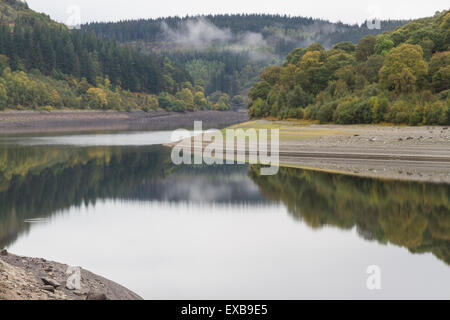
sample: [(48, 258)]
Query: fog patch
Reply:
[(198, 33)]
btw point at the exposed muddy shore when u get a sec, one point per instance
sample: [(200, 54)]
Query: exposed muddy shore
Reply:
[(28, 122), (386, 152), (23, 278)]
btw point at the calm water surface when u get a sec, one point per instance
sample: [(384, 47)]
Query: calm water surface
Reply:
[(116, 205)]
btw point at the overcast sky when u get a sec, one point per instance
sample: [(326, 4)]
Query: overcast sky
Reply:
[(349, 11)]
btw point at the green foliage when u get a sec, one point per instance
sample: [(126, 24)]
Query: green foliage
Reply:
[(164, 100), (259, 90), (58, 52), (282, 33), (371, 68), (259, 109), (96, 98), (3, 97), (326, 112), (384, 79), (365, 48), (48, 108), (238, 100), (229, 65), (348, 47), (383, 45), (436, 113), (440, 71), (404, 69), (44, 63), (346, 112)]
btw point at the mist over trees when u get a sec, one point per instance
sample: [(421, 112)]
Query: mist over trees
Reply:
[(45, 65), (227, 52), (333, 72), (281, 32)]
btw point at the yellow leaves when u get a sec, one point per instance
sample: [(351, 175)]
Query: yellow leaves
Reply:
[(55, 97), (445, 25), (200, 100), (97, 98), (271, 75), (311, 59), (402, 68), (186, 96), (153, 101)]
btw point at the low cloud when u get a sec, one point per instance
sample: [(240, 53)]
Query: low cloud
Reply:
[(197, 33)]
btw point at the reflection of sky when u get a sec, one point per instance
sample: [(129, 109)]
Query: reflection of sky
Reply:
[(232, 188), (189, 251), (208, 233), (86, 140)]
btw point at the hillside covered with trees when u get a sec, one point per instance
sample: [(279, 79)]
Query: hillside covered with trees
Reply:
[(44, 65), (283, 33), (226, 53), (401, 76)]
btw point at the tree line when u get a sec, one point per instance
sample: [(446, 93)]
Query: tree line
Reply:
[(55, 51), (401, 76), (44, 65), (284, 32), (224, 68)]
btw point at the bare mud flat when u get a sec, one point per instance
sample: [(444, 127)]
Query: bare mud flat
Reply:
[(387, 152), (24, 278), (24, 122)]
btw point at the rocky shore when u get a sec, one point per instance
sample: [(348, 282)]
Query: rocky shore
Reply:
[(23, 278)]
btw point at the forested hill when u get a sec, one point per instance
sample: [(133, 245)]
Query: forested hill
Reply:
[(401, 76), (38, 43), (280, 32), (44, 65), (226, 53)]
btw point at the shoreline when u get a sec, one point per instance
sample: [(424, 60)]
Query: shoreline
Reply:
[(373, 151), (76, 121), (420, 154), (24, 278)]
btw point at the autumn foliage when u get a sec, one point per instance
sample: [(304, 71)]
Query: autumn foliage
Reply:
[(401, 76)]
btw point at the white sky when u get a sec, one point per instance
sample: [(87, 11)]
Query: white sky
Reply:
[(349, 11)]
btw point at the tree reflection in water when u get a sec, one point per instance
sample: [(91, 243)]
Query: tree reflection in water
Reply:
[(408, 214), (38, 182)]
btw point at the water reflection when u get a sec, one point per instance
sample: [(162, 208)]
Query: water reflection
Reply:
[(36, 182), (89, 140), (408, 214)]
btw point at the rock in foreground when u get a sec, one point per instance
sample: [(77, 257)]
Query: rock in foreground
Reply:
[(24, 278)]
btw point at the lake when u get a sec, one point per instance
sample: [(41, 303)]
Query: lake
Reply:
[(117, 206)]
